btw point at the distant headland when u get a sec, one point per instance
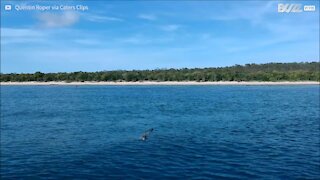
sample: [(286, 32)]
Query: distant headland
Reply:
[(249, 74)]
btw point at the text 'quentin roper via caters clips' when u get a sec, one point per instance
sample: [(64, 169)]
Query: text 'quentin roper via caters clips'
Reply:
[(37, 7)]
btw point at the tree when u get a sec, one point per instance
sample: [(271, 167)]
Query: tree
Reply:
[(250, 72)]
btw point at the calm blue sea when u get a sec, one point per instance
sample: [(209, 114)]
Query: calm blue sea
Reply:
[(201, 132)]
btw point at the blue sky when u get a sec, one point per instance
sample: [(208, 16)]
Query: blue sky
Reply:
[(130, 35)]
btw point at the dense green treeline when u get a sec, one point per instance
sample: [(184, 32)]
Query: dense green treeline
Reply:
[(307, 71)]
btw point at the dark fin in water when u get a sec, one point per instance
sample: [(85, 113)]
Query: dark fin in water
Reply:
[(146, 134)]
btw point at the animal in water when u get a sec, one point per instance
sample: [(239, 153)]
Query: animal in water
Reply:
[(146, 134)]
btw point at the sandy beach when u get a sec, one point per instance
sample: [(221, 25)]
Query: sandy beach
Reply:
[(163, 83)]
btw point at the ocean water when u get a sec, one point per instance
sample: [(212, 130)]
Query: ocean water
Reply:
[(201, 132)]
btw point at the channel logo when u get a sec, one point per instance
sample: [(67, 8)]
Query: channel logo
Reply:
[(289, 8), (7, 7)]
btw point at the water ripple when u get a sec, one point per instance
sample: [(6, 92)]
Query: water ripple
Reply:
[(200, 132)]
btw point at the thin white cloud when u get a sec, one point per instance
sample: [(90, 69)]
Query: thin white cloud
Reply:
[(99, 18), (280, 28), (149, 17), (17, 33), (21, 35), (253, 12), (134, 40), (87, 42), (170, 27), (143, 40), (54, 20)]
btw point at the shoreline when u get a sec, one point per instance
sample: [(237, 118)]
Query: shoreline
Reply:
[(160, 83)]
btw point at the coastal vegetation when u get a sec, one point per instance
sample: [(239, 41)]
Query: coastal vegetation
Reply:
[(304, 71)]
